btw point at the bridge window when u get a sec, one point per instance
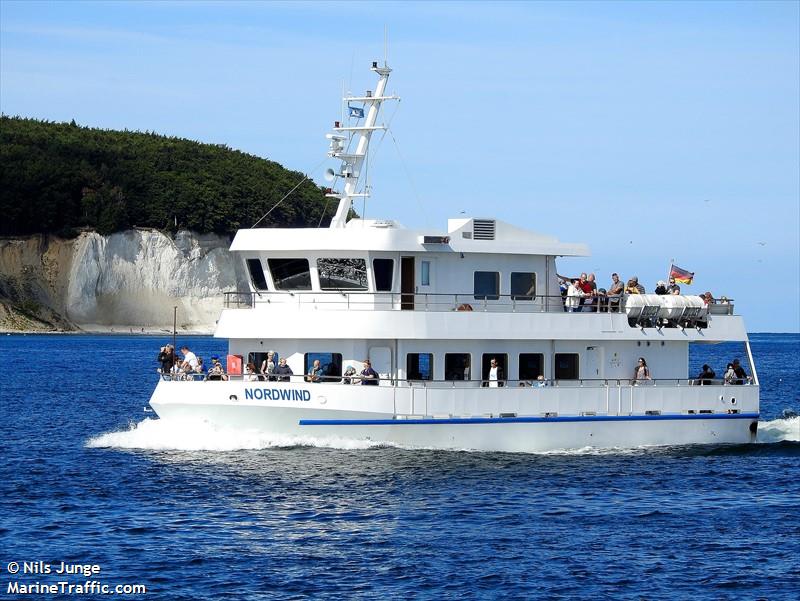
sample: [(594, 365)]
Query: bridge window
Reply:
[(523, 286), (457, 366), (331, 364), (531, 366), (257, 274), (566, 366), (383, 269), (487, 285), (342, 274), (290, 274), (419, 366)]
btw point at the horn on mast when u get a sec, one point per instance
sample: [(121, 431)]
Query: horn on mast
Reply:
[(359, 134)]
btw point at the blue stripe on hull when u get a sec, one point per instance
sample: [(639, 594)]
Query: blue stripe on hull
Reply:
[(523, 420)]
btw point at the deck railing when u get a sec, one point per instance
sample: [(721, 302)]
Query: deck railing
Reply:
[(443, 302), (447, 384)]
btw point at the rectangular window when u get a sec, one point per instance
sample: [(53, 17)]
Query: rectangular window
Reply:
[(330, 365), (531, 366), (290, 274), (523, 286), (419, 366), (457, 366), (501, 360), (425, 273), (383, 270), (565, 366), (487, 285), (342, 274), (257, 274)]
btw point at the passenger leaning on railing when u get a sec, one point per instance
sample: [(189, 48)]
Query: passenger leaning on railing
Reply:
[(283, 371), (315, 373), (705, 376), (368, 375), (250, 374), (216, 372), (641, 373)]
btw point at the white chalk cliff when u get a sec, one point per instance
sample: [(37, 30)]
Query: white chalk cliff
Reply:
[(126, 281)]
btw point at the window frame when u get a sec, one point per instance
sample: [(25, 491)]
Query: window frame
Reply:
[(522, 297), (409, 372), (521, 376), (329, 377), (375, 274), (577, 366), (487, 296), (360, 288), (467, 377), (275, 281)]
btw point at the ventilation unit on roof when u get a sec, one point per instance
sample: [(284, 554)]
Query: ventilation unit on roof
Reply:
[(483, 229)]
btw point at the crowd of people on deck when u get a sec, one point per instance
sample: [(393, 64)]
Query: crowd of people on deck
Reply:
[(582, 294), (190, 367), (734, 374)]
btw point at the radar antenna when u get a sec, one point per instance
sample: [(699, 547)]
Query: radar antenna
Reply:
[(355, 134)]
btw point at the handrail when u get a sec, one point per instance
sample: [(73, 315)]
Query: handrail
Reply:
[(441, 384), (446, 301)]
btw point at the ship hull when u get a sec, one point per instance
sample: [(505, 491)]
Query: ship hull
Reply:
[(369, 413)]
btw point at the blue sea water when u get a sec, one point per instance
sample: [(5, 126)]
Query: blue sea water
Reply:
[(87, 477)]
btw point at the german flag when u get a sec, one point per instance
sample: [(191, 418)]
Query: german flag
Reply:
[(681, 275)]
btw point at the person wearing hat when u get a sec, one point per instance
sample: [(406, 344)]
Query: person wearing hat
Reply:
[(661, 288), (368, 375), (216, 372)]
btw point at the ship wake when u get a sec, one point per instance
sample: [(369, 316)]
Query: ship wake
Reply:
[(176, 435)]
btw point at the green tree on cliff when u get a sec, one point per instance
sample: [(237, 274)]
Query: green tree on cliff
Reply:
[(58, 177)]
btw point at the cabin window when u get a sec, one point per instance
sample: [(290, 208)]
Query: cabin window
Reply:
[(457, 366), (331, 364), (258, 359), (342, 274), (531, 366), (290, 274), (487, 285), (565, 366), (419, 366), (486, 365), (257, 274), (383, 269), (425, 273), (523, 286)]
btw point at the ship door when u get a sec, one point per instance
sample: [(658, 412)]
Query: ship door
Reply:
[(407, 283), (593, 366), (381, 359)]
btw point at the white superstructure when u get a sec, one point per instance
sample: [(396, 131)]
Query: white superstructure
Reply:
[(431, 310)]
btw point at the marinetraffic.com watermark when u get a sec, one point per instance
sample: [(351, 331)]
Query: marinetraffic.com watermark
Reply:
[(63, 579)]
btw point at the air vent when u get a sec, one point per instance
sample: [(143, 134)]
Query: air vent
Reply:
[(483, 229)]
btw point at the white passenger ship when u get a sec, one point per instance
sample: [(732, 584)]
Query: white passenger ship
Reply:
[(430, 310)]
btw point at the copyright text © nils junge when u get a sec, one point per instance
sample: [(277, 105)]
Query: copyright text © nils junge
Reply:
[(63, 586)]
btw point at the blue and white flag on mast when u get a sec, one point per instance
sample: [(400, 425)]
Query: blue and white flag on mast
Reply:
[(356, 112)]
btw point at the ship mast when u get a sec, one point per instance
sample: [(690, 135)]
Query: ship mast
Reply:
[(343, 139)]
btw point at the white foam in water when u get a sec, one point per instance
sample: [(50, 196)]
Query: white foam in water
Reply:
[(778, 430), (174, 435)]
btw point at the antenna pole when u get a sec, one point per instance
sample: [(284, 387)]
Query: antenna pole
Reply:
[(353, 160)]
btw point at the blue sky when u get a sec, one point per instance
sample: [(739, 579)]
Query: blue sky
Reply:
[(650, 131)]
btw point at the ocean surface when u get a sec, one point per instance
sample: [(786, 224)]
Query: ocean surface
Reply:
[(87, 477)]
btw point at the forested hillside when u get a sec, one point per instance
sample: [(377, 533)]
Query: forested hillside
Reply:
[(60, 177)]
